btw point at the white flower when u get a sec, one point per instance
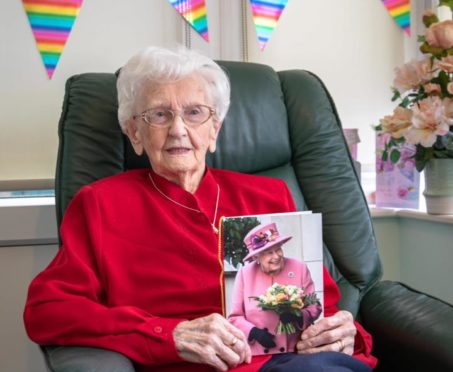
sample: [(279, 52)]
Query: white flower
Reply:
[(428, 121)]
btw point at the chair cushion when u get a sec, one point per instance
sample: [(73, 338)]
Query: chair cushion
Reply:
[(255, 134), (91, 144)]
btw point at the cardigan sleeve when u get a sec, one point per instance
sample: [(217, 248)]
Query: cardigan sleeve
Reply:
[(66, 302)]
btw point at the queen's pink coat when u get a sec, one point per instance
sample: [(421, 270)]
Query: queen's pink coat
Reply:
[(245, 314)]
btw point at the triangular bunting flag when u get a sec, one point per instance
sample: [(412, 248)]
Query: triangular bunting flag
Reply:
[(400, 10), (51, 22), (194, 12), (266, 14)]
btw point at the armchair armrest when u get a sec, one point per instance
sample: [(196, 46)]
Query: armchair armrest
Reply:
[(80, 359), (412, 331)]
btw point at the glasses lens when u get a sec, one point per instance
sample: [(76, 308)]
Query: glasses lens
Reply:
[(192, 115), (158, 116), (196, 114)]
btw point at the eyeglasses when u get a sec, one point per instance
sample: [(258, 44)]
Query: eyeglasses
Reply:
[(191, 115)]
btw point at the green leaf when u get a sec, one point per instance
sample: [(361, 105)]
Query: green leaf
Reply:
[(405, 102), (396, 94), (395, 156), (421, 38), (420, 165), (385, 155)]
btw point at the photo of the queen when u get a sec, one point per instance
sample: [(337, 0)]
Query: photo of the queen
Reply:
[(273, 298)]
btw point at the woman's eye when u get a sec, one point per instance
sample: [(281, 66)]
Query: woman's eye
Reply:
[(193, 111), (159, 114)]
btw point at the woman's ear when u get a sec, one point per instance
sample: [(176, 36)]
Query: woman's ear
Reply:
[(215, 129), (134, 136)]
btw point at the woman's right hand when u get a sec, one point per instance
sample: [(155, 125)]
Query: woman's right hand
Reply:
[(211, 340)]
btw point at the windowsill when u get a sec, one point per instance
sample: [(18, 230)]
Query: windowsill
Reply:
[(368, 181), (410, 213), (27, 221), (26, 202)]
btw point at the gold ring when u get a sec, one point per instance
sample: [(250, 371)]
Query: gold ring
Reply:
[(341, 344), (232, 343)]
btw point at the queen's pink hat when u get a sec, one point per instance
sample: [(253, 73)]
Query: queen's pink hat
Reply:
[(263, 237)]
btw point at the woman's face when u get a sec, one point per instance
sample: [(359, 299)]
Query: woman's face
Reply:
[(177, 150), (271, 260)]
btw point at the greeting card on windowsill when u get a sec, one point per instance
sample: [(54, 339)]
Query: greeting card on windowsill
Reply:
[(273, 277), (397, 185)]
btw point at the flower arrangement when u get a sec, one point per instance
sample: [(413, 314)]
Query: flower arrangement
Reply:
[(424, 89), (285, 299)]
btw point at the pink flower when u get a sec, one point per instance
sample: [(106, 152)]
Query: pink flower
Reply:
[(384, 165), (428, 121), (440, 34), (402, 192), (398, 123), (448, 108), (412, 74), (446, 64), (431, 88)]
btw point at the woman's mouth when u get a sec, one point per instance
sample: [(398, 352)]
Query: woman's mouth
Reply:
[(178, 150)]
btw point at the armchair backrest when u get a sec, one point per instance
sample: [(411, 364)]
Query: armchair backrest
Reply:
[(281, 124)]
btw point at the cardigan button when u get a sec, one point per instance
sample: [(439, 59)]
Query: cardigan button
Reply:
[(266, 351), (158, 329), (282, 349)]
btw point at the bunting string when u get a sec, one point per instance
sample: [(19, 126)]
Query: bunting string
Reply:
[(51, 21)]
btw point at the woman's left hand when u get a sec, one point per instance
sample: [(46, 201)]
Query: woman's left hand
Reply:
[(335, 333)]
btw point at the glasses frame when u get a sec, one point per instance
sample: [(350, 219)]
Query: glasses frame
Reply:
[(174, 113)]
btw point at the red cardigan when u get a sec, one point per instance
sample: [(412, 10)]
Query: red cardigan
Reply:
[(133, 265)]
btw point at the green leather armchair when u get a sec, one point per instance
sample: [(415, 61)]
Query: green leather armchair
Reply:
[(285, 125)]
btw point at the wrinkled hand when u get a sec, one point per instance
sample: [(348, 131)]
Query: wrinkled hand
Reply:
[(211, 340), (263, 336), (326, 334), (286, 318)]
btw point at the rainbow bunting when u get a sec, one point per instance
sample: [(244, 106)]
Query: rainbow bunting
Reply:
[(266, 14), (51, 22), (194, 12), (400, 10)]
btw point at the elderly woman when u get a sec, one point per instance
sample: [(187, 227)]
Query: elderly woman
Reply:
[(138, 271), (269, 266)]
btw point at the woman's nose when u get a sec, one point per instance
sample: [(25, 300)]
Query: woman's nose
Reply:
[(178, 127)]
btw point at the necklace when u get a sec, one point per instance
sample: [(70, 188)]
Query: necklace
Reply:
[(189, 208)]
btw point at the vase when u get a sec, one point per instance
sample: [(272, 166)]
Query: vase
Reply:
[(439, 186)]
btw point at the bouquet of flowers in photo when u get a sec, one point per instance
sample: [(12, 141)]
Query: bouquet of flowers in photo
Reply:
[(286, 299), (424, 89)]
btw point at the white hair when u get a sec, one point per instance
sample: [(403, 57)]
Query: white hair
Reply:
[(158, 65)]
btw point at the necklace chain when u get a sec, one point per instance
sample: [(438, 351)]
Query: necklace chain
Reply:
[(189, 208)]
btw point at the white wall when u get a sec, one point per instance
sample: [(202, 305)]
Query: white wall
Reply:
[(104, 35), (353, 45)]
